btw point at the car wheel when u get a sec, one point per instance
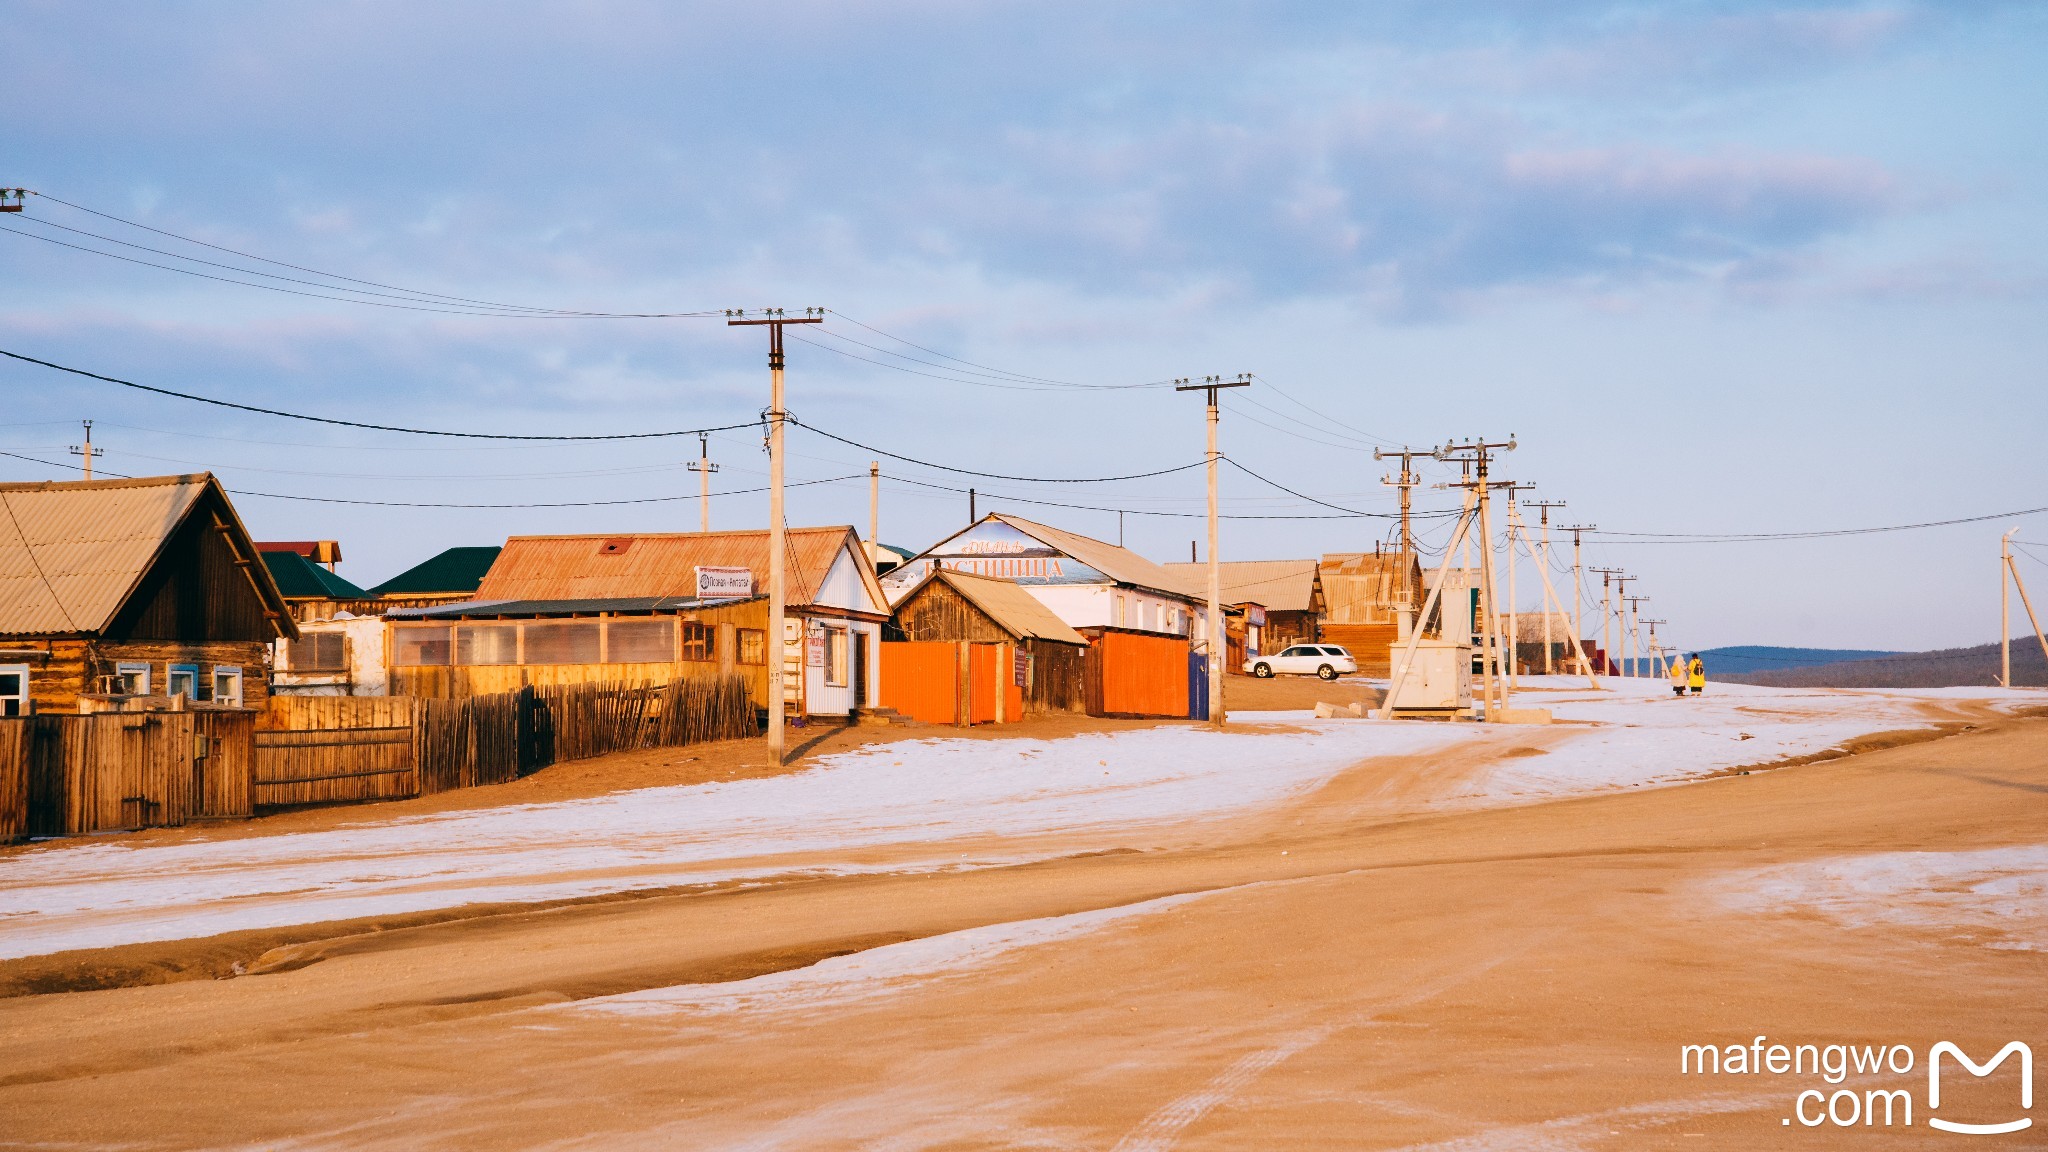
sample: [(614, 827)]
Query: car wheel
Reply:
[(1327, 672), (1263, 671)]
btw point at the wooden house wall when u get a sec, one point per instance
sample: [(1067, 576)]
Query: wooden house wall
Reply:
[(937, 612), (1059, 677), (77, 668), (198, 589)]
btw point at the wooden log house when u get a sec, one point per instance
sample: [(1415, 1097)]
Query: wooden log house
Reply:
[(126, 594)]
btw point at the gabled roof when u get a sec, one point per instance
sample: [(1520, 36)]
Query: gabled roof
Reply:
[(664, 564), (1013, 609), (73, 551), (455, 571), (1279, 585), (1119, 564), (300, 579)]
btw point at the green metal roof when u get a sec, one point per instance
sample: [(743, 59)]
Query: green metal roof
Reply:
[(301, 579), (456, 570)]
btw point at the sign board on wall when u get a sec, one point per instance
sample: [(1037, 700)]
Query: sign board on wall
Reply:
[(814, 651), (724, 583), (1023, 669)]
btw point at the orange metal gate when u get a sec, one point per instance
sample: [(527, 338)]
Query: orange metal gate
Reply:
[(1133, 675)]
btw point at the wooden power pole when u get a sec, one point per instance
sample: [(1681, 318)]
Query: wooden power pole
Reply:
[(1607, 576), (87, 451), (1480, 454), (1543, 508), (875, 507), (1219, 644), (778, 526), (703, 467)]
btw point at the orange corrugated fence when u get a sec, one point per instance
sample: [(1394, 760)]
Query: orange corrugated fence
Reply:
[(1140, 675), (918, 679)]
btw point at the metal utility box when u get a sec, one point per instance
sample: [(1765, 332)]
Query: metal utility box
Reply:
[(1440, 680)]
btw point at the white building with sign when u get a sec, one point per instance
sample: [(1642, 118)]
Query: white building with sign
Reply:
[(1087, 583)]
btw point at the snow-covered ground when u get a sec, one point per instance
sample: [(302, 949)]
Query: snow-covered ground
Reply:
[(1092, 790), (875, 972), (1997, 894), (908, 805)]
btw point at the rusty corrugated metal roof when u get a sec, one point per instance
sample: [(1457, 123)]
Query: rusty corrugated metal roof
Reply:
[(663, 564), (71, 552)]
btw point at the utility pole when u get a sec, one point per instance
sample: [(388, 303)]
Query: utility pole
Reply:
[(1218, 643), (1607, 576), (972, 518), (1480, 454), (875, 507), (1578, 581), (1405, 482), (1514, 598), (2004, 608), (2012, 569), (1635, 629), (1621, 583), (1543, 564), (87, 451), (778, 528), (1656, 650), (703, 467)]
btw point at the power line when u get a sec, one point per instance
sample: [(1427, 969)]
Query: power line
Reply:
[(495, 307), (1019, 376), (1740, 537), (360, 424), (431, 504), (990, 475)]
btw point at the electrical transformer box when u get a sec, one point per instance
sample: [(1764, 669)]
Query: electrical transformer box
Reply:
[(1438, 682)]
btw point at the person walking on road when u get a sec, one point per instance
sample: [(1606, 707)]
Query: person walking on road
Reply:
[(1677, 674), (1696, 675)]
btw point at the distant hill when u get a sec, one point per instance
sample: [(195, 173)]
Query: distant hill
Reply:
[(1976, 666), (1742, 659)]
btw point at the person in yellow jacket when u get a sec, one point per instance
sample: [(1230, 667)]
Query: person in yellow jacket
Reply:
[(1696, 675), (1677, 674)]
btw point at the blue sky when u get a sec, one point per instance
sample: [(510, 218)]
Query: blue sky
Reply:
[(1759, 267)]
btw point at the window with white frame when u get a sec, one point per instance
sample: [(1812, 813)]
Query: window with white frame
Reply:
[(14, 699), (131, 678), (183, 680), (227, 685), (835, 657)]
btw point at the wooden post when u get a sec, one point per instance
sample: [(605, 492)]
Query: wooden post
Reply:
[(2005, 610), (875, 508), (2028, 604), (963, 684)]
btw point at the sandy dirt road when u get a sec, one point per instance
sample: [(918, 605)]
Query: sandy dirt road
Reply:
[(1347, 970)]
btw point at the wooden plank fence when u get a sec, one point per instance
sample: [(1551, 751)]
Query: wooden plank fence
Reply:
[(336, 750), (68, 774)]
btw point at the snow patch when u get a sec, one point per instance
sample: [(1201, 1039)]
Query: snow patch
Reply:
[(2000, 894), (876, 972)]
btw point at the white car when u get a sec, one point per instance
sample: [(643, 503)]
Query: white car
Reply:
[(1325, 660)]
